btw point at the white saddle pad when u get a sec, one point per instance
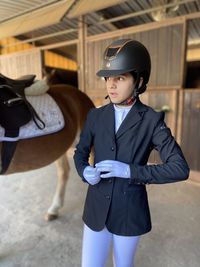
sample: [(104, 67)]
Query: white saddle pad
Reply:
[(39, 87), (48, 111)]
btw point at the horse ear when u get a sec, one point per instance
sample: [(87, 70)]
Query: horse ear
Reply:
[(53, 71), (44, 72)]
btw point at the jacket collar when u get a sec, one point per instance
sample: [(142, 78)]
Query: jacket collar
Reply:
[(132, 118)]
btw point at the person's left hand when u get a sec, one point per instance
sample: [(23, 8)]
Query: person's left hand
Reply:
[(113, 168)]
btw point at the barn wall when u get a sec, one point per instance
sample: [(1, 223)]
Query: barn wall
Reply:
[(165, 100), (17, 64), (193, 54), (7, 47), (190, 130), (51, 59), (57, 61)]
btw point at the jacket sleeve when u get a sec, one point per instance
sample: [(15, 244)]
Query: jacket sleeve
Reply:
[(174, 167), (83, 148)]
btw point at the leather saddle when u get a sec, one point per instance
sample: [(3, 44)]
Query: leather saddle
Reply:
[(15, 111)]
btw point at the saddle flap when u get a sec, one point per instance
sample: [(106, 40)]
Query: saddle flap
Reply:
[(23, 81), (14, 112)]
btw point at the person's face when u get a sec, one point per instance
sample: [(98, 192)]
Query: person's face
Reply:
[(120, 87)]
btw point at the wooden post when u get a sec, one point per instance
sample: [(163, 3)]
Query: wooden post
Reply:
[(183, 53), (82, 33), (181, 95), (175, 99), (42, 63)]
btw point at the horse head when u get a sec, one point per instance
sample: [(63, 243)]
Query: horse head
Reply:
[(60, 76)]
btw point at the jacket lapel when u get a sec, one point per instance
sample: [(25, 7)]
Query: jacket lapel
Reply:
[(132, 118), (108, 120)]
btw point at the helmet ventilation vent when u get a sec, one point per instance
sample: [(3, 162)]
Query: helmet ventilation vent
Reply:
[(112, 52)]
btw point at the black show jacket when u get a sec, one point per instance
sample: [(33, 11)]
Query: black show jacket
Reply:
[(117, 203)]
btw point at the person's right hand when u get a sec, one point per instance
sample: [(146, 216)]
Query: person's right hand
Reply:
[(91, 175)]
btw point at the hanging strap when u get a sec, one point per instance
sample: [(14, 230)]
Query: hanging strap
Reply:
[(8, 150)]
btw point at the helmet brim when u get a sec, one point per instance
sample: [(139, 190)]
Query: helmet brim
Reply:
[(109, 73)]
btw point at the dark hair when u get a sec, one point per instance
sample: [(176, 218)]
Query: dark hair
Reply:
[(134, 74)]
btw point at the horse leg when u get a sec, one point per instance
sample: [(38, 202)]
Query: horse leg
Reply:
[(63, 168)]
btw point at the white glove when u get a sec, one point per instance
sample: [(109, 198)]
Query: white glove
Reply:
[(114, 168), (91, 175)]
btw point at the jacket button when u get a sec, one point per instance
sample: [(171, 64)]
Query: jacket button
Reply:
[(107, 196), (112, 148), (110, 181)]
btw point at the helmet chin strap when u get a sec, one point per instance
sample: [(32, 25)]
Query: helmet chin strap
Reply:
[(127, 102)]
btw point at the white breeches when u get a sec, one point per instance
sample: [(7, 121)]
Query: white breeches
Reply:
[(96, 247)]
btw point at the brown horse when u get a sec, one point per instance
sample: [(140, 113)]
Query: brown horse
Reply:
[(37, 152)]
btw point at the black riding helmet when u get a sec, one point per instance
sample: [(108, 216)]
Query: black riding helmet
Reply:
[(127, 55)]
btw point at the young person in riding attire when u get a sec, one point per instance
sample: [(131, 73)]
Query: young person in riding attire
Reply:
[(123, 134)]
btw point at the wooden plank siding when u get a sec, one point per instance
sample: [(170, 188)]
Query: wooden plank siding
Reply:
[(21, 63), (190, 134), (158, 99), (51, 59)]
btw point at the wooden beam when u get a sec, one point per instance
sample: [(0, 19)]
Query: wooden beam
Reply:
[(183, 53), (195, 15), (46, 36), (56, 45), (174, 102), (43, 17), (193, 54), (136, 29), (180, 116), (85, 7), (29, 50), (145, 11), (82, 34), (143, 27)]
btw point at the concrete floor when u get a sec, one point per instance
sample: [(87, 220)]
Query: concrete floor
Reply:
[(26, 240)]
